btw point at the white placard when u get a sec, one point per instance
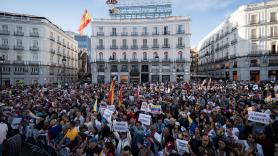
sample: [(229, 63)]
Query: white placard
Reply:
[(145, 119), (182, 146), (111, 107), (120, 126), (107, 115), (145, 107), (157, 137), (259, 117)]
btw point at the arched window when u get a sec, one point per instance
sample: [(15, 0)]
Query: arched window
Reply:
[(100, 55), (124, 55), (166, 55), (180, 54), (134, 55), (145, 55), (155, 55), (114, 56)]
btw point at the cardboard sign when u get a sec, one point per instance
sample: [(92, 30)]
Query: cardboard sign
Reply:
[(107, 115), (145, 119), (144, 107), (182, 146), (111, 107), (120, 126), (155, 109), (259, 117)]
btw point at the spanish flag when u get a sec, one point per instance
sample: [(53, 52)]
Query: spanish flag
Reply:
[(111, 93), (86, 19), (120, 99)]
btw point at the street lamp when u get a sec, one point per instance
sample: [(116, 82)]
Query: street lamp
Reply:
[(2, 60), (64, 60)]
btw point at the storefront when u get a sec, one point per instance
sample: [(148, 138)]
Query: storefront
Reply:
[(235, 77), (124, 78), (179, 78), (273, 75), (255, 75)]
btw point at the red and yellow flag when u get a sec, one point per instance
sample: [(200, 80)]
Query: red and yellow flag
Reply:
[(120, 99), (86, 19), (111, 93)]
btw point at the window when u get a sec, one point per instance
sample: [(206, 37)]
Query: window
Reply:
[(114, 56), (124, 55), (145, 42), (134, 41), (253, 33), (100, 42), (35, 57), (18, 42), (100, 29), (166, 42), (145, 55), (58, 38), (180, 54), (155, 41), (180, 29), (124, 29), (19, 29), (124, 68), (155, 30), (134, 55), (180, 41), (145, 30), (51, 45), (35, 30), (166, 32), (134, 29), (114, 42), (273, 17), (35, 43), (18, 58), (253, 19), (155, 55), (124, 42), (5, 41), (5, 28), (165, 55), (114, 31), (100, 55), (273, 31)]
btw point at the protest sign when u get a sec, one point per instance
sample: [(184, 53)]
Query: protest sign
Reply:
[(182, 146), (145, 119), (102, 108), (111, 108), (120, 126), (107, 115), (144, 107), (155, 109), (259, 117), (157, 137)]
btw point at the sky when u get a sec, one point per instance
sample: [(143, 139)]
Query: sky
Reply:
[(205, 14)]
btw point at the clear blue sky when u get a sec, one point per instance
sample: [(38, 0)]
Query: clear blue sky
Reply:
[(205, 14)]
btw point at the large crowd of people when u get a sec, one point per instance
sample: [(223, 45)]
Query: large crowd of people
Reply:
[(198, 118)]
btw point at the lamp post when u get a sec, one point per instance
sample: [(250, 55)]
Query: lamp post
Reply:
[(64, 60), (2, 60)]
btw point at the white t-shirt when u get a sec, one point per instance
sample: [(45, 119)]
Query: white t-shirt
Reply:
[(3, 132)]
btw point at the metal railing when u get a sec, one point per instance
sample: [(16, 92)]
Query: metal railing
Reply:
[(18, 33)]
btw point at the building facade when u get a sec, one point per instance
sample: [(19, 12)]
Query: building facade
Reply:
[(141, 50), (36, 51), (194, 58), (244, 46)]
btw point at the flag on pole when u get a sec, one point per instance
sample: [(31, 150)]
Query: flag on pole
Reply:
[(120, 99), (111, 93), (86, 19), (192, 125), (95, 106)]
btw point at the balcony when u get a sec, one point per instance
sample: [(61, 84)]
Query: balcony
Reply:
[(124, 60), (255, 53), (4, 47), (145, 34), (52, 51), (100, 33), (166, 60), (18, 47), (34, 62), (254, 22), (180, 70), (166, 33), (180, 46), (254, 64), (134, 47), (100, 70), (113, 47), (155, 47), (52, 38), (275, 36), (124, 47), (35, 73), (113, 34), (33, 34), (19, 62), (34, 48), (18, 33), (144, 47), (134, 34), (180, 32), (100, 47), (99, 60), (53, 64), (253, 37), (144, 60), (113, 60), (4, 32), (134, 60), (155, 60), (181, 60), (59, 42), (124, 34), (155, 33), (166, 46)]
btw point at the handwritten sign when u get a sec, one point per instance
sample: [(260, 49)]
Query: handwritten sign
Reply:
[(120, 126), (144, 107), (145, 119), (182, 146), (259, 117), (107, 115)]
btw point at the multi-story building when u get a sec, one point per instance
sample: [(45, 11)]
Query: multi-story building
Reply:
[(141, 50), (244, 46), (36, 51), (194, 58)]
